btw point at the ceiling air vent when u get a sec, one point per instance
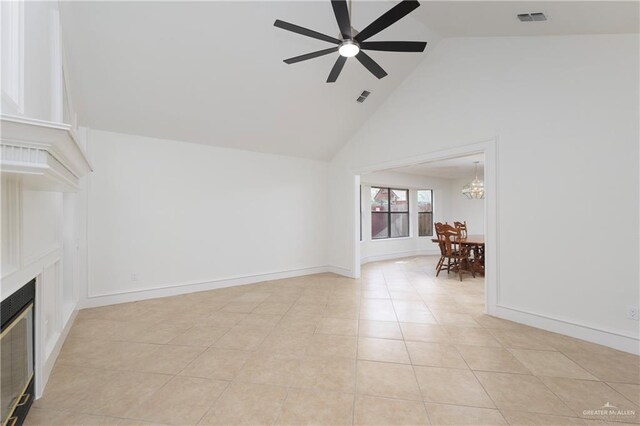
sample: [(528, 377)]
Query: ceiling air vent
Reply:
[(530, 17), (363, 96)]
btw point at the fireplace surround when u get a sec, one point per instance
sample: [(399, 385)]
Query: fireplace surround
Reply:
[(17, 351)]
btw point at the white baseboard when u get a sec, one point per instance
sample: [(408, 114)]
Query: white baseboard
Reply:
[(602, 337), (192, 287), (398, 255), (339, 270)]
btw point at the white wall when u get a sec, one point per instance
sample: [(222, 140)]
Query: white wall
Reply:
[(414, 245), (42, 223), (462, 209), (168, 217), (39, 62), (564, 109)]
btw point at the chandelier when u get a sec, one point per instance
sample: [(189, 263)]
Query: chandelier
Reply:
[(475, 189)]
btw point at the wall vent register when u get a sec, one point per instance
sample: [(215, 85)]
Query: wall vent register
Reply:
[(532, 17)]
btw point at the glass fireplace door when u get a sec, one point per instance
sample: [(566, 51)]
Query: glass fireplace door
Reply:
[(16, 362)]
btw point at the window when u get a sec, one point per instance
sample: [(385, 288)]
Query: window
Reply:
[(425, 213), (389, 213)]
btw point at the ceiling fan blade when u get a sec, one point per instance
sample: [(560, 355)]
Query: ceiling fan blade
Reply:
[(394, 46), (342, 16), (337, 67), (393, 15), (305, 31), (371, 65), (311, 55)]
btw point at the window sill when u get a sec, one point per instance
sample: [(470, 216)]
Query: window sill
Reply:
[(391, 239)]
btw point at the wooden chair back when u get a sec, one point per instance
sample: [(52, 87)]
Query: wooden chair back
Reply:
[(448, 238), (438, 226), (462, 226)]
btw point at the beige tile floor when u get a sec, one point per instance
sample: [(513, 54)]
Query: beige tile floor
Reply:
[(398, 347)]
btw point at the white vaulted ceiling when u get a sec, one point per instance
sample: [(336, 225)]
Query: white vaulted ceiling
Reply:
[(498, 18), (212, 72)]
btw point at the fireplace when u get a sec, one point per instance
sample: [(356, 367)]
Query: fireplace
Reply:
[(17, 345)]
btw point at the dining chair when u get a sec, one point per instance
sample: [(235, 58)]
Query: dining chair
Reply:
[(443, 256), (455, 254), (443, 251)]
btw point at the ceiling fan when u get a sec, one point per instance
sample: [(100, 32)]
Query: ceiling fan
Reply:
[(352, 43)]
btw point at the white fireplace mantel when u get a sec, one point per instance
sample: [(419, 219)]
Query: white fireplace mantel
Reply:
[(38, 156), (44, 154)]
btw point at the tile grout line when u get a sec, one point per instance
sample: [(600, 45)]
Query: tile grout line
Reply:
[(210, 407), (481, 385), (415, 375), (288, 387), (424, 402), (355, 373)]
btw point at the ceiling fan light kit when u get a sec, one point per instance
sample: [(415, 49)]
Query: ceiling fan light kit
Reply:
[(349, 48), (352, 44)]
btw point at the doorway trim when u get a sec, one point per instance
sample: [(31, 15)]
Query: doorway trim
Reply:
[(489, 149)]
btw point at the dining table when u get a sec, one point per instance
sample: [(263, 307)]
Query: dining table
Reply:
[(475, 242)]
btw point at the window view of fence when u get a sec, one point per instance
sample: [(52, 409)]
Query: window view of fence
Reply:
[(389, 213), (425, 213)]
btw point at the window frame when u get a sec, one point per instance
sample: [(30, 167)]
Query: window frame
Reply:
[(361, 213), (389, 212), (419, 213)]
